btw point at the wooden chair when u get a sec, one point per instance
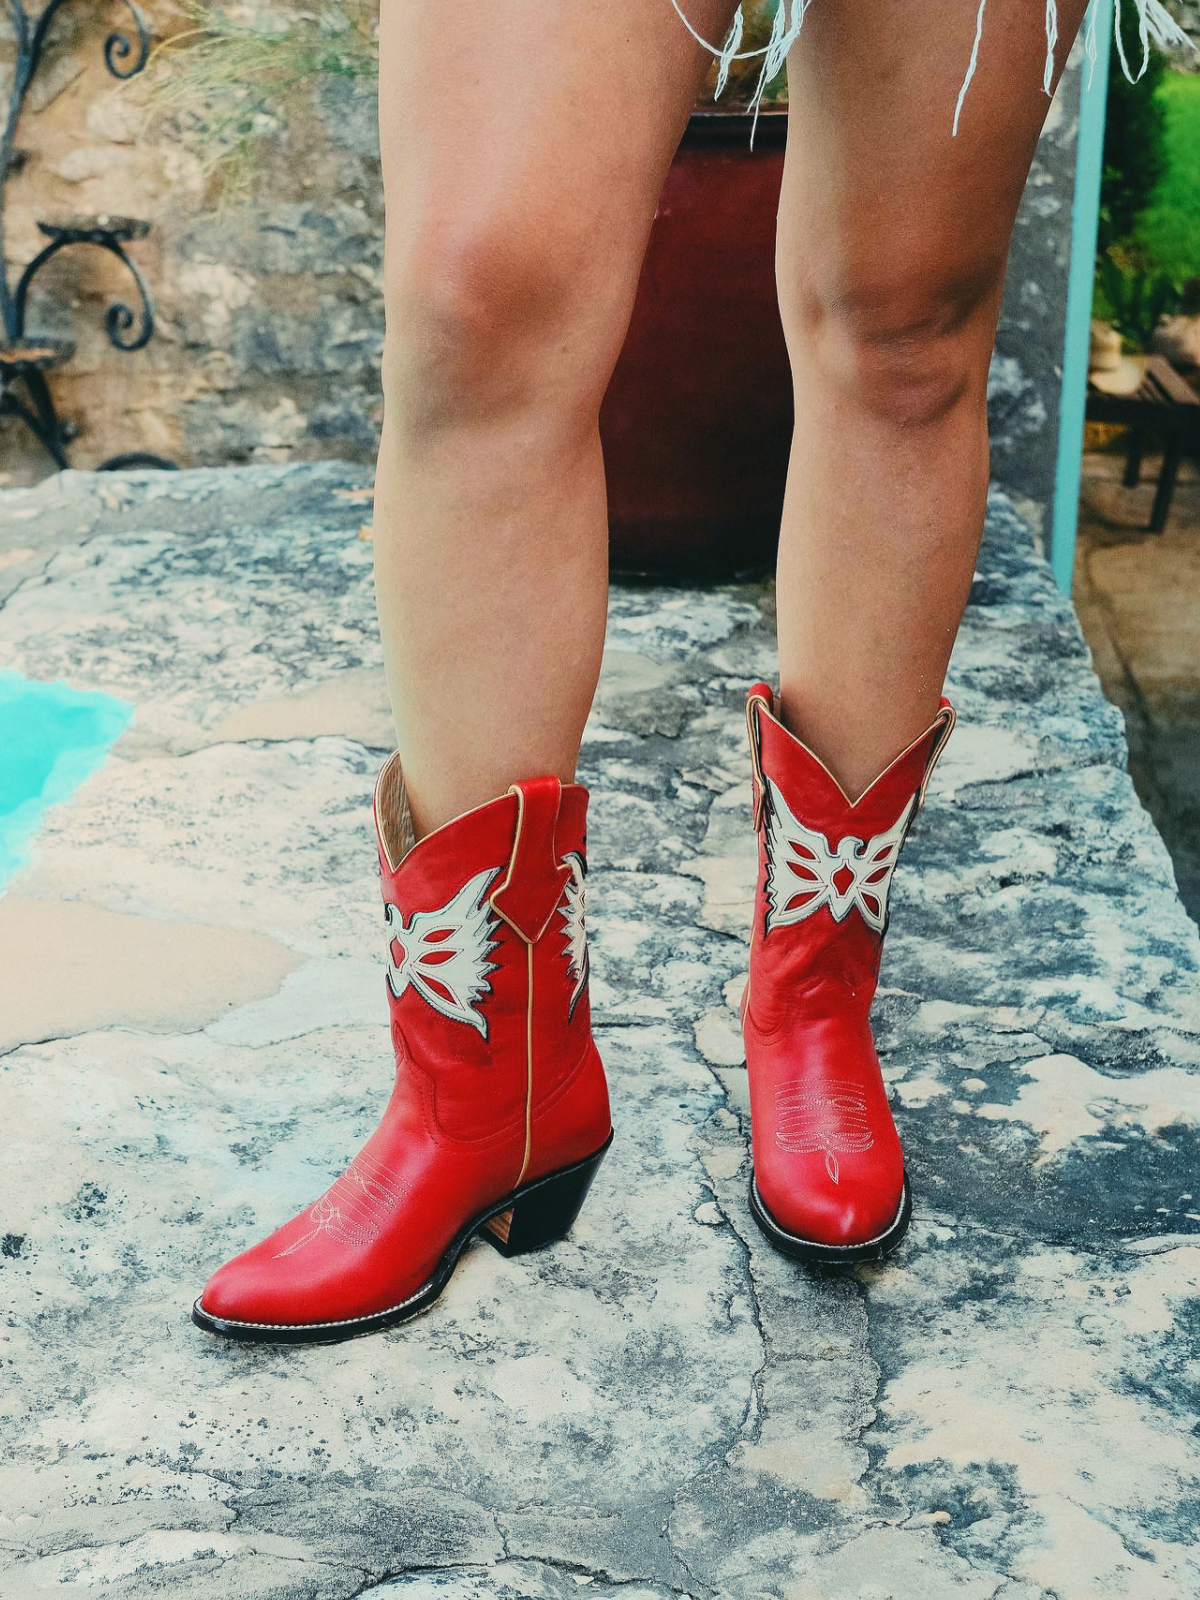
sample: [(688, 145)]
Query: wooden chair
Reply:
[(1164, 405)]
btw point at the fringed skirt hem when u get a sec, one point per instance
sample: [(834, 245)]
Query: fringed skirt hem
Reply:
[(1155, 24)]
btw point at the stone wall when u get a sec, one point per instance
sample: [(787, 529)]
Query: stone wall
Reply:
[(269, 323), (270, 318)]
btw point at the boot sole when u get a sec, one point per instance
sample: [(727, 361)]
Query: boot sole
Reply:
[(535, 1215), (813, 1251)]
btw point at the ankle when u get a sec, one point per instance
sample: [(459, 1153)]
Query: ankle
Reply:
[(854, 750)]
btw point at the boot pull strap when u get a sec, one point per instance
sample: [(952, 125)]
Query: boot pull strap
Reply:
[(946, 717), (535, 879), (755, 698)]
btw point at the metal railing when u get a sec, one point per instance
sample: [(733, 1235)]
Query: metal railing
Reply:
[(25, 360)]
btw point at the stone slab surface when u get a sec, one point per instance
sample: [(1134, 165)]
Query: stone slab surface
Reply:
[(1136, 594), (659, 1405)]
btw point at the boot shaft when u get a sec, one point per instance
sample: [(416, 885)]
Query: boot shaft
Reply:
[(826, 861), (487, 966)]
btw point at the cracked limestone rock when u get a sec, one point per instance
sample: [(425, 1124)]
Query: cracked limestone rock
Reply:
[(659, 1405)]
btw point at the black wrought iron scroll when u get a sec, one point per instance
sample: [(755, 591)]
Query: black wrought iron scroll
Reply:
[(25, 360)]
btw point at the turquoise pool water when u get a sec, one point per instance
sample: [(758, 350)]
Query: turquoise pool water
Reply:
[(52, 737)]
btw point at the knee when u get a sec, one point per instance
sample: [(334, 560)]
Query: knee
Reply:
[(486, 321), (905, 340)]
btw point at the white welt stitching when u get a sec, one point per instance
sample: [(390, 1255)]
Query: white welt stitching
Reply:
[(857, 1245), (344, 1322)]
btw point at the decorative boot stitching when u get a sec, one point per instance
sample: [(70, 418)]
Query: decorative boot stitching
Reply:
[(832, 1118), (356, 1207)]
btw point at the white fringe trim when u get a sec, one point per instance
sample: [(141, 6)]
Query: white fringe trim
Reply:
[(1155, 23)]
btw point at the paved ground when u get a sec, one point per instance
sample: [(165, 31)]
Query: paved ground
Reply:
[(1138, 598), (660, 1405)]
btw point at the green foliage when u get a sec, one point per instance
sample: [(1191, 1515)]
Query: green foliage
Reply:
[(743, 75), (1134, 300), (1167, 234), (232, 78), (1135, 138), (1149, 237)]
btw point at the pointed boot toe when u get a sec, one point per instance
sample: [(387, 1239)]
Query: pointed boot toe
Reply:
[(809, 1223), (242, 1294)]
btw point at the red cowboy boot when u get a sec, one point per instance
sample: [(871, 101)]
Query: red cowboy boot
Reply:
[(828, 1181), (499, 1117)]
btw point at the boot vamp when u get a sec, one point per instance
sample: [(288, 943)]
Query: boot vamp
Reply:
[(827, 1158), (376, 1235), (820, 967)]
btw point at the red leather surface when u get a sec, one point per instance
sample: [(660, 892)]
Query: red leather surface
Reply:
[(535, 879), (453, 1137), (827, 1158)]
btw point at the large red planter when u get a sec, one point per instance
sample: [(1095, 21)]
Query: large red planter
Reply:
[(697, 422)]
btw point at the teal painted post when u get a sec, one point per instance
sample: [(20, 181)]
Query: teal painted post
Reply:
[(1085, 218)]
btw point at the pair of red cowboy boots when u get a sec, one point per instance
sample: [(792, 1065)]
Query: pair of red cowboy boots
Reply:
[(499, 1117)]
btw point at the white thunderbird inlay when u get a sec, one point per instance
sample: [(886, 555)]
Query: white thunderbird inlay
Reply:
[(443, 953), (575, 950), (804, 873)]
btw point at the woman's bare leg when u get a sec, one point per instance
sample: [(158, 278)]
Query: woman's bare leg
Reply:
[(525, 143), (893, 240)]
